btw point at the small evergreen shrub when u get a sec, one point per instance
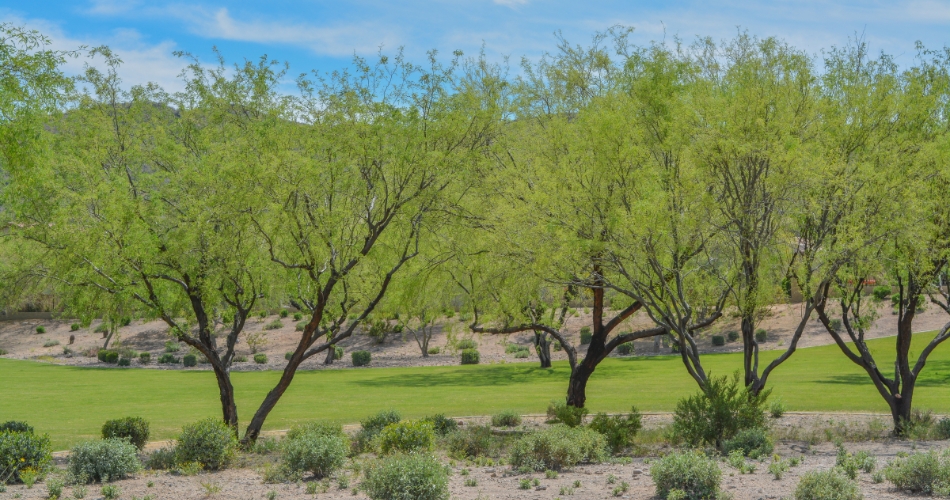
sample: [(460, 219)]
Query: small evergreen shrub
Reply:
[(102, 327), (506, 418), (22, 452), (571, 416), (471, 442), (373, 425), (260, 358), (161, 459), (74, 327), (470, 357), (16, 426), (761, 335), (752, 443), (722, 407), (240, 359), (167, 359), (172, 346), (125, 362), (694, 474), (718, 340), (298, 316), (108, 356), (288, 355), (41, 329), (125, 321), (942, 429), (189, 360), (105, 460), (513, 348), (466, 344), (54, 488), (558, 447), (881, 292), (777, 408), (407, 437), (626, 349), (274, 325), (51, 343), (318, 449), (4, 352), (300, 326), (586, 335), (134, 429), (618, 430), (145, 358), (434, 350), (732, 335), (918, 473), (284, 313), (826, 485), (209, 442), (417, 476), (835, 324), (361, 358), (337, 352), (442, 424)]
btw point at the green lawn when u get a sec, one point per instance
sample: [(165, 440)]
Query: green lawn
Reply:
[(72, 403)]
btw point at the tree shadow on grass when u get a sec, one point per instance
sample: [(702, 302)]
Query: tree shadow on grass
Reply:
[(849, 379), (935, 374)]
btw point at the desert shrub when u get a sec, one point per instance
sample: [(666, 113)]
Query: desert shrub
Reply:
[(337, 352), (54, 488), (145, 358), (473, 441), (274, 325), (288, 355), (512, 348), (406, 437), (692, 473), (134, 429), (835, 324), (298, 316), (260, 358), (167, 359), (722, 407), (102, 327), (506, 418), (240, 359), (942, 429), (172, 346), (41, 329), (74, 327), (300, 326), (618, 430), (470, 357), (826, 485), (371, 426), (318, 449), (108, 356), (16, 426), (718, 340), (209, 442), (625, 349), (571, 416), (777, 408), (4, 352), (22, 451), (753, 443), (434, 350), (284, 313), (918, 473), (125, 321), (586, 335), (881, 292), (732, 335), (441, 424), (558, 447), (104, 460), (161, 459), (361, 358), (189, 360), (466, 344), (51, 343), (416, 476), (761, 335)]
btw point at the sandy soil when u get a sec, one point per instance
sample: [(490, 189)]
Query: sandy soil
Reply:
[(596, 480), (20, 339)]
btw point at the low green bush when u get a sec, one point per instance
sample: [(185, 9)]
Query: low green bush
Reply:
[(417, 476), (209, 442), (361, 358), (337, 352), (721, 408), (172, 346), (732, 335), (104, 460), (942, 429), (753, 443), (108, 356), (134, 429), (16, 426), (300, 326), (74, 327), (288, 355), (125, 362), (561, 413), (407, 437), (881, 292), (618, 430), (694, 474), (470, 357), (240, 359), (51, 343), (761, 335), (434, 350), (919, 473), (161, 459), (626, 349), (835, 324), (23, 451), (513, 348), (319, 449), (274, 325), (167, 359), (826, 485), (145, 358), (189, 360), (506, 418), (466, 344), (442, 425), (718, 340), (41, 329), (558, 447), (260, 358), (371, 426), (586, 335), (284, 313), (777, 408), (298, 316), (471, 442)]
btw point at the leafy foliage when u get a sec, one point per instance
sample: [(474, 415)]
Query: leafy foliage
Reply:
[(209, 442), (109, 459), (134, 429), (722, 408), (691, 473), (558, 447), (416, 476)]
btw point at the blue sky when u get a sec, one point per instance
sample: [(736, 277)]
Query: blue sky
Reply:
[(325, 35)]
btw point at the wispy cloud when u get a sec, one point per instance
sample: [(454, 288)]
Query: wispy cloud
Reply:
[(112, 7), (511, 3)]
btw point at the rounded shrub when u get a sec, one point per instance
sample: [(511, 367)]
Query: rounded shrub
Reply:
[(761, 335), (441, 424), (337, 352), (74, 327), (167, 359), (586, 335), (470, 357), (298, 316), (721, 408), (506, 418), (103, 461), (562, 413), (826, 485), (288, 355), (371, 426), (125, 362), (626, 349), (416, 476), (260, 358), (753, 443), (558, 447), (209, 442), (41, 329), (108, 356), (319, 449), (881, 292), (691, 472), (189, 360), (618, 430), (472, 441), (718, 340), (407, 437), (361, 358), (16, 426), (134, 429), (732, 335), (466, 344), (22, 451), (145, 358), (284, 313), (918, 473)]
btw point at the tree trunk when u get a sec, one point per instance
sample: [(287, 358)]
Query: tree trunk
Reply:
[(226, 391), (542, 345), (577, 386), (257, 422), (900, 410), (748, 350), (331, 355)]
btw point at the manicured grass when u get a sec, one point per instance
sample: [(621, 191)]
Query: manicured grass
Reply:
[(72, 403)]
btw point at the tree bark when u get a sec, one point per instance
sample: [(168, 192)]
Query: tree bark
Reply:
[(226, 391), (543, 347), (270, 401), (331, 355), (577, 385)]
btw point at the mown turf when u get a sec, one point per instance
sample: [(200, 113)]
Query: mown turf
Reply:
[(72, 403)]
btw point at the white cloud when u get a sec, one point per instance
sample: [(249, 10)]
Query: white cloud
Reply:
[(112, 7), (511, 3)]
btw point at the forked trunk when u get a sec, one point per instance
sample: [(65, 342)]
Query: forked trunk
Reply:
[(331, 355), (542, 345), (270, 401), (577, 386)]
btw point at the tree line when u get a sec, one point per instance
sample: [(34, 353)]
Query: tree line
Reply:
[(684, 182)]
